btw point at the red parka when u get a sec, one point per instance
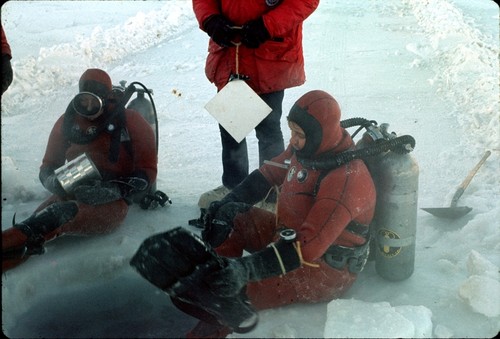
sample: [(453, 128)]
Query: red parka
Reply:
[(5, 45), (278, 63)]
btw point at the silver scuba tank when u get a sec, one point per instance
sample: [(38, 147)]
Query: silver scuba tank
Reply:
[(393, 229), (144, 106), (149, 198)]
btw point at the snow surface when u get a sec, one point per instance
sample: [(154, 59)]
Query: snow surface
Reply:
[(428, 68)]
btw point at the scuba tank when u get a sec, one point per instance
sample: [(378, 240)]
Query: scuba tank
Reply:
[(145, 107), (395, 175), (393, 229), (151, 198)]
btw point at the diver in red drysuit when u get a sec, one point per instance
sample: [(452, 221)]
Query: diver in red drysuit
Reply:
[(119, 142)]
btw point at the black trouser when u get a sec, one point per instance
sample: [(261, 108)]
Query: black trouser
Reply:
[(268, 132)]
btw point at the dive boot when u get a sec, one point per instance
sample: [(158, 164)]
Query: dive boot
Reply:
[(28, 237)]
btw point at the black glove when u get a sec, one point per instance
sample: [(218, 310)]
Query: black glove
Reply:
[(218, 228), (251, 190), (216, 232), (269, 262), (131, 185), (219, 28), (211, 211), (254, 33), (176, 262), (50, 182), (7, 73), (97, 192)]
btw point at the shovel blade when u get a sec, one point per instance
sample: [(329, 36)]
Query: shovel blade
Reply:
[(448, 212)]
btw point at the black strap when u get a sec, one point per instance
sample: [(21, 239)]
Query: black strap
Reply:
[(116, 135), (321, 176)]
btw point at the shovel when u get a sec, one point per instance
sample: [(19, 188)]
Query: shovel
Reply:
[(454, 211)]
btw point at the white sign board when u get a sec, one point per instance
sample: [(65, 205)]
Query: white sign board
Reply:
[(238, 109)]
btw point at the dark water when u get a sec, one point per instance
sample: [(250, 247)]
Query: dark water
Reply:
[(125, 307)]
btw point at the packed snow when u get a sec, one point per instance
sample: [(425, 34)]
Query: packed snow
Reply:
[(428, 68)]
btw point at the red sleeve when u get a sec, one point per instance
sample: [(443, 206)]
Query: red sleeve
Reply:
[(5, 45), (288, 15), (55, 153), (143, 145), (204, 9)]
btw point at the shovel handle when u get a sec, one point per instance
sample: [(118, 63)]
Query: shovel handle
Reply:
[(467, 180)]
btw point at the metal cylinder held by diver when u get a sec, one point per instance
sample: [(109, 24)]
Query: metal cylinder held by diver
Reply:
[(393, 229), (75, 171)]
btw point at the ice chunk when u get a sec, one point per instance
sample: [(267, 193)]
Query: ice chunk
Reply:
[(479, 265), (482, 293), (355, 318)]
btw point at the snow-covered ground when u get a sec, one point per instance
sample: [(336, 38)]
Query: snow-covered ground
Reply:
[(428, 68)]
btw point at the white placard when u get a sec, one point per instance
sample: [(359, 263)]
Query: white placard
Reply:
[(238, 109)]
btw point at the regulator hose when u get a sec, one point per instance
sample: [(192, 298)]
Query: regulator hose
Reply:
[(362, 122), (351, 122), (401, 145)]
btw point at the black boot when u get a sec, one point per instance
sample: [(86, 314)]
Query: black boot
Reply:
[(43, 222)]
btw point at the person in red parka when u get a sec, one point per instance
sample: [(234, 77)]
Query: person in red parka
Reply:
[(260, 42), (7, 73), (323, 217), (120, 144)]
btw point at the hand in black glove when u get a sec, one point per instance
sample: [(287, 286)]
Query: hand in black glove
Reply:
[(219, 28), (211, 211), (7, 74), (254, 33), (215, 231), (97, 192), (131, 185)]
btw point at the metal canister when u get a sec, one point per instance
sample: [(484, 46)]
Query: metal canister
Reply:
[(76, 171)]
